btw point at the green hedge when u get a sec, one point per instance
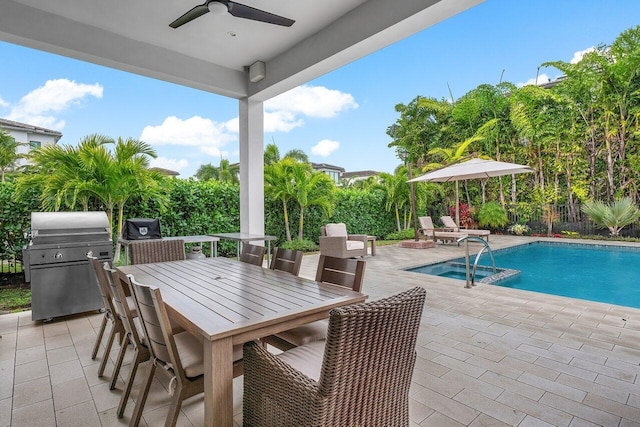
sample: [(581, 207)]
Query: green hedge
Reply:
[(15, 219), (208, 207)]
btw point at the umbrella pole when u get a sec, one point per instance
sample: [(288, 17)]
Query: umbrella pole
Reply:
[(457, 207)]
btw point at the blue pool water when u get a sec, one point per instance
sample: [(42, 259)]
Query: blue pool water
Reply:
[(591, 272)]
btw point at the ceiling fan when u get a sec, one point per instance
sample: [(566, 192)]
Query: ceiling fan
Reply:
[(236, 9)]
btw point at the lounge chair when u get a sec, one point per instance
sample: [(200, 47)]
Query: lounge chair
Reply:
[(450, 223), (335, 242), (430, 232)]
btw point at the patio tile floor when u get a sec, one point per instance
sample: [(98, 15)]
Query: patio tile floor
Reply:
[(486, 356)]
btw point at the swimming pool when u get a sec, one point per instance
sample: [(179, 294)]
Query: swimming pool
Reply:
[(609, 274)]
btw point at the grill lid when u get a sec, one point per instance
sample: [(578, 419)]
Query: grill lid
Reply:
[(69, 227)]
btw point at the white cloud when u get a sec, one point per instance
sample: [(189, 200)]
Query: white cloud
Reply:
[(205, 134), (325, 147), (281, 121), (577, 56), (283, 112), (3, 103), (38, 106), (171, 164), (542, 79)]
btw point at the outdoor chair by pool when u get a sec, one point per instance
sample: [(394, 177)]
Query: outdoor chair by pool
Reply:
[(288, 260), (110, 315), (179, 355), (449, 223), (359, 376), (430, 232), (252, 254), (148, 251), (336, 242), (348, 273)]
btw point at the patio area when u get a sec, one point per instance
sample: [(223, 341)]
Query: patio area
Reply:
[(486, 356)]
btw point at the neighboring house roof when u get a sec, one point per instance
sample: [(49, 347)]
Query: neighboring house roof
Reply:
[(326, 166), (359, 174), (11, 125), (168, 172), (552, 83)]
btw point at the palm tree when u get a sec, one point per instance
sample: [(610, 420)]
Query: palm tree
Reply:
[(615, 217), (312, 189), (227, 172), (397, 194), (271, 154), (298, 155), (278, 184), (8, 153), (207, 172)]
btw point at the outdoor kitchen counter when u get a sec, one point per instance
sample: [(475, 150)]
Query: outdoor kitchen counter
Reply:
[(213, 241)]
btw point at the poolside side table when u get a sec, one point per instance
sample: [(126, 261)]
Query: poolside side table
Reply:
[(372, 239), (241, 238)]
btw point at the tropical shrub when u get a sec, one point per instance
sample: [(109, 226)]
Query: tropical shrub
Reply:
[(304, 245), (615, 217), (492, 215), (405, 234), (519, 229), (466, 220)]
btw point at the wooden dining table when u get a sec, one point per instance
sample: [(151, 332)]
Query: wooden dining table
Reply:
[(226, 302)]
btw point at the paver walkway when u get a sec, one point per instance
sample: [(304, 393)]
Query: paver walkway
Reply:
[(486, 356)]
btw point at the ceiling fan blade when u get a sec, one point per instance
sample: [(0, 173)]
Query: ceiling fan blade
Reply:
[(194, 13), (243, 11)]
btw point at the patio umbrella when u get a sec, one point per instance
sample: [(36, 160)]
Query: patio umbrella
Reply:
[(471, 169)]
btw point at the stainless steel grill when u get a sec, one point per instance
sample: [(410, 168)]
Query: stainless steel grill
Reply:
[(56, 262)]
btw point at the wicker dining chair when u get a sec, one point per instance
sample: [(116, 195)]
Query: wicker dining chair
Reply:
[(148, 251), (348, 273), (252, 254), (110, 315), (120, 285), (359, 376), (288, 260), (179, 355)]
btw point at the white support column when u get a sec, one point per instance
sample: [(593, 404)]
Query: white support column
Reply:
[(251, 166)]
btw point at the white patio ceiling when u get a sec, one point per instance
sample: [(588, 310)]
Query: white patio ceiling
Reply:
[(212, 52), (135, 36)]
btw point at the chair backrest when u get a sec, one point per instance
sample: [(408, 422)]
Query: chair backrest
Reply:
[(347, 272), (426, 223), (252, 254), (369, 358), (288, 260), (120, 286), (448, 222), (147, 251), (156, 325), (336, 230), (103, 285)]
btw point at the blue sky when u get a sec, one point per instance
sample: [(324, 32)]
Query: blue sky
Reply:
[(339, 118)]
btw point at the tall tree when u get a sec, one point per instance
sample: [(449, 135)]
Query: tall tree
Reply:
[(279, 185), (207, 172), (312, 189), (298, 155), (8, 153), (271, 154)]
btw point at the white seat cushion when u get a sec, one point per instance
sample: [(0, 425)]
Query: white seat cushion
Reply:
[(336, 230), (306, 359), (306, 333), (354, 244), (191, 356)]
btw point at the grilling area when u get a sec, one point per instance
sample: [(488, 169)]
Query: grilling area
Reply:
[(56, 264), (485, 356)]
